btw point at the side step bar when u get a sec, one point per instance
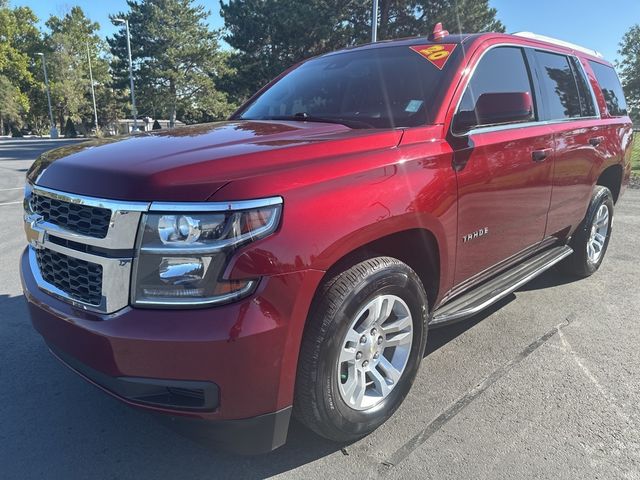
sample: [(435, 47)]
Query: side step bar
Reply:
[(473, 302)]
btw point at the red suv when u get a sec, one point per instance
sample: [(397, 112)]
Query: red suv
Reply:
[(292, 258)]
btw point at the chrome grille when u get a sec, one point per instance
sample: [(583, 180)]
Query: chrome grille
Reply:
[(83, 219), (79, 279)]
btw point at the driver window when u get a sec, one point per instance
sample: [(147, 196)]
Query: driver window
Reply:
[(501, 70)]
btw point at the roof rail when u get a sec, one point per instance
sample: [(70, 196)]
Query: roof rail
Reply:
[(562, 43)]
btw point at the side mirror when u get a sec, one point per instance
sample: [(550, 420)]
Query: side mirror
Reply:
[(495, 109)]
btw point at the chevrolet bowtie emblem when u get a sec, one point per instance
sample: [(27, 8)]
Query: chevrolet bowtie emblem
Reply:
[(35, 233)]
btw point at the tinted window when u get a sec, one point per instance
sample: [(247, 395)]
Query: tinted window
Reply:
[(611, 89), (501, 70), (586, 98), (374, 88), (559, 86)]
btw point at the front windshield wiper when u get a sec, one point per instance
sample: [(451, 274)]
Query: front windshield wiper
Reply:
[(305, 117)]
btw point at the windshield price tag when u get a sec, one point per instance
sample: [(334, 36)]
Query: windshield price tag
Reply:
[(438, 54)]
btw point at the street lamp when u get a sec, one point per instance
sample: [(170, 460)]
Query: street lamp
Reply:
[(93, 92), (374, 22), (133, 97), (53, 133)]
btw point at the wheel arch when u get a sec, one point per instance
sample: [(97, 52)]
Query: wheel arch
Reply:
[(416, 247), (611, 177)]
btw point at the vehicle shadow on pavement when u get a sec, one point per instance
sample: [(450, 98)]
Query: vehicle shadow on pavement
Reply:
[(439, 337), (55, 425)]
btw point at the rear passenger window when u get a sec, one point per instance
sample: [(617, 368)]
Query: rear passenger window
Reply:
[(586, 97), (611, 89), (559, 86), (501, 70)]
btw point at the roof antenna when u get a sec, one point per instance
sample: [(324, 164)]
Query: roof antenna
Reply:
[(438, 32)]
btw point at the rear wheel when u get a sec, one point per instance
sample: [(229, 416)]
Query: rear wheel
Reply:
[(591, 240), (361, 349)]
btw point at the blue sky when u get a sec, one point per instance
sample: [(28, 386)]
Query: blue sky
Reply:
[(591, 23)]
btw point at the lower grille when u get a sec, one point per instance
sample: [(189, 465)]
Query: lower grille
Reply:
[(79, 279)]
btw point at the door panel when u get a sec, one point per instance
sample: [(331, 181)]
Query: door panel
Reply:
[(577, 162), (503, 193)]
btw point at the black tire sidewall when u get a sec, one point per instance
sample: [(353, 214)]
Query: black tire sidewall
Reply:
[(602, 196), (396, 280)]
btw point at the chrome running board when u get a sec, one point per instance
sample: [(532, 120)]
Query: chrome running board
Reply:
[(479, 298)]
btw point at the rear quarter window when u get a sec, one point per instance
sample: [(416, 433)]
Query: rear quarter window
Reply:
[(611, 88)]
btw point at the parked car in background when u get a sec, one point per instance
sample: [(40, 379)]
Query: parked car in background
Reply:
[(293, 258)]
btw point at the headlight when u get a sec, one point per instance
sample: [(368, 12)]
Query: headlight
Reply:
[(182, 254)]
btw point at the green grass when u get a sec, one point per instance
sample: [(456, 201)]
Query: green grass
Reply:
[(635, 154)]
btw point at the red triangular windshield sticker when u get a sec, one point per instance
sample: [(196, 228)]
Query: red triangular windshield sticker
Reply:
[(436, 53)]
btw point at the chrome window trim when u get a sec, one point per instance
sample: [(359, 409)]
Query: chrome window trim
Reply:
[(508, 126), (186, 207), (511, 126)]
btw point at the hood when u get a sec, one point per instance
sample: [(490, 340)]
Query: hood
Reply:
[(192, 163)]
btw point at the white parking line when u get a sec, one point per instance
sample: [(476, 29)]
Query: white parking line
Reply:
[(10, 203), (7, 189)]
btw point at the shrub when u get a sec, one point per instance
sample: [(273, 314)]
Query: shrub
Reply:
[(70, 129)]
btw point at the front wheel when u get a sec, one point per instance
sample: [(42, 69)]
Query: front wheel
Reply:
[(361, 349), (591, 239)]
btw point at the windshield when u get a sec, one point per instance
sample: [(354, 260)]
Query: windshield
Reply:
[(374, 88)]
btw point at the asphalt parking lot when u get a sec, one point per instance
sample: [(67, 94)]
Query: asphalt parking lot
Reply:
[(544, 385)]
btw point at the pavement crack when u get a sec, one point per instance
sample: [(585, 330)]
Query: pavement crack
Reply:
[(441, 420)]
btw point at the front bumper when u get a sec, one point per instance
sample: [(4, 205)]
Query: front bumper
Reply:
[(242, 355)]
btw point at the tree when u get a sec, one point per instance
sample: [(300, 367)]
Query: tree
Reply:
[(629, 67), (177, 59), (69, 38), (19, 39), (271, 35), (11, 107)]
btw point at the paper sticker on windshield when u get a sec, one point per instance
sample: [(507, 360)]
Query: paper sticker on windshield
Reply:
[(413, 106), (438, 53)]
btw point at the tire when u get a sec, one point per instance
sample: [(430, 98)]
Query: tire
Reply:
[(324, 400), (583, 262)]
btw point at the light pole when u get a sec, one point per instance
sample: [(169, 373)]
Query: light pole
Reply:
[(53, 133), (93, 92), (374, 22), (133, 97)]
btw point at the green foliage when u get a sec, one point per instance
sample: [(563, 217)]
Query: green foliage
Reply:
[(11, 102), (271, 35), (19, 37), (177, 59), (635, 154), (69, 130), (67, 61), (629, 67)]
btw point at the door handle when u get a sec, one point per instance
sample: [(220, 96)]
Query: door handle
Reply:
[(540, 155), (595, 141)]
